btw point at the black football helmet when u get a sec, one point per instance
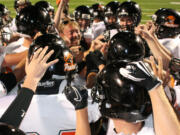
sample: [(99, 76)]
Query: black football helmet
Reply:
[(4, 16), (66, 60), (119, 97), (47, 6), (6, 129), (132, 10), (18, 3), (126, 46), (82, 13), (32, 18), (111, 11), (97, 11), (167, 22)]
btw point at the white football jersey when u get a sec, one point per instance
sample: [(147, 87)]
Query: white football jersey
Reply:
[(172, 44), (50, 114)]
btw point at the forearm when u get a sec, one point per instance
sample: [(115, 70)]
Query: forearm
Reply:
[(165, 118), (13, 59), (162, 47), (58, 16), (19, 70), (82, 123), (30, 83), (158, 52), (16, 111)]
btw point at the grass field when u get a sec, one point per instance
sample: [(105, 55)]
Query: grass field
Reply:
[(148, 6)]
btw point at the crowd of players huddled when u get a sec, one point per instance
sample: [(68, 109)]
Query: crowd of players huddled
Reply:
[(97, 71)]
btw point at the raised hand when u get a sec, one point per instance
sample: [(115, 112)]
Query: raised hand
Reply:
[(141, 74), (36, 67), (77, 95)]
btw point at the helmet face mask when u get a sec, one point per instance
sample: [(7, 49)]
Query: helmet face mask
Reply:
[(126, 23), (163, 31), (84, 24), (119, 97), (110, 12)]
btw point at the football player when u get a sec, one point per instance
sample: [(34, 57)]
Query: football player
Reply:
[(110, 14)]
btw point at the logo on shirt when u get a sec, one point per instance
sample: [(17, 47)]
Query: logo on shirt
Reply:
[(46, 84), (78, 95)]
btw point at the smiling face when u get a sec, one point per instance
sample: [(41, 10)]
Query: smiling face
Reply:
[(72, 33), (125, 21)]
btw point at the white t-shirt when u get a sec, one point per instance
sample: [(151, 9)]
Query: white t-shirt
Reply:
[(147, 129), (51, 114)]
